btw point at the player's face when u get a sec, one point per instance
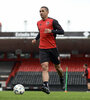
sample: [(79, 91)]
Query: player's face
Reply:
[(84, 66), (43, 13)]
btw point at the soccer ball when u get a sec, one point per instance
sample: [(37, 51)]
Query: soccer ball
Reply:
[(19, 89)]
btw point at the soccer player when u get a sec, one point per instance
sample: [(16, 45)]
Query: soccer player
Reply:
[(48, 29), (87, 75)]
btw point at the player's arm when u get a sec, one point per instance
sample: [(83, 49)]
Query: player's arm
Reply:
[(37, 37), (85, 73), (57, 28)]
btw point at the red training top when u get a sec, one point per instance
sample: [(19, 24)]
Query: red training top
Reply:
[(47, 40), (88, 76)]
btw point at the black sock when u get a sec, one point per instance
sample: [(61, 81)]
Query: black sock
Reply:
[(45, 84)]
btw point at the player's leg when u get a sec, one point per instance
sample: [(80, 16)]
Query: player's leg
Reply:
[(44, 60), (45, 77), (61, 75), (54, 57), (88, 85), (59, 70)]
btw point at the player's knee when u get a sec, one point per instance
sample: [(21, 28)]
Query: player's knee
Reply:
[(57, 67), (44, 67)]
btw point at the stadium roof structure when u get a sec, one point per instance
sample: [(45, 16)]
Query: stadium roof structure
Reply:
[(71, 42)]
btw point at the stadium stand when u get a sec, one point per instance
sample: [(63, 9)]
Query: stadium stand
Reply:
[(29, 73), (73, 64), (5, 70)]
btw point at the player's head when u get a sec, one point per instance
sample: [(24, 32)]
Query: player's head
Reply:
[(85, 66), (44, 12)]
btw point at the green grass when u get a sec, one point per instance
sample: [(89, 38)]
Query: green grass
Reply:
[(38, 95)]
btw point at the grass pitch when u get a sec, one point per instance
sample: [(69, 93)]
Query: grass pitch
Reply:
[(38, 95)]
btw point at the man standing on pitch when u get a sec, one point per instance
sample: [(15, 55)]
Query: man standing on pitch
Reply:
[(87, 75), (48, 29)]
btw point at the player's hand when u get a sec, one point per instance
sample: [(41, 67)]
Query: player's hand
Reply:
[(34, 41), (47, 31)]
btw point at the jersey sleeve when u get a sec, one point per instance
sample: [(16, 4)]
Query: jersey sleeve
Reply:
[(38, 36), (86, 72), (57, 29)]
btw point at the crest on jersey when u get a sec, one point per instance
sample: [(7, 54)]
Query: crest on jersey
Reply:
[(47, 23), (40, 24)]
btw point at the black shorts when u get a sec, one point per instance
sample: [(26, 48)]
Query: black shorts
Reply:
[(46, 55)]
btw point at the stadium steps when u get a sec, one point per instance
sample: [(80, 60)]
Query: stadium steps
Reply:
[(35, 79), (13, 72), (29, 72), (5, 69), (73, 64)]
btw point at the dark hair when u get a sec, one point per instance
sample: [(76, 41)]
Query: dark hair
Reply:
[(45, 8), (86, 65)]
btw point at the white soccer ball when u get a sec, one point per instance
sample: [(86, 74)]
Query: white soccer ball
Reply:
[(19, 89)]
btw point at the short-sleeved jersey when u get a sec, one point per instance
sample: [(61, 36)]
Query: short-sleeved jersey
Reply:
[(47, 40)]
